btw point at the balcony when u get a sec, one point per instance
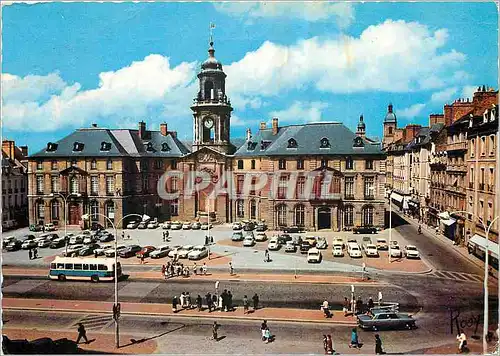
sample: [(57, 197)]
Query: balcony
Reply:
[(456, 168), (457, 146), (481, 186)]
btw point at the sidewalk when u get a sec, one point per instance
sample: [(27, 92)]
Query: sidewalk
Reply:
[(102, 343), (474, 346), (273, 314)]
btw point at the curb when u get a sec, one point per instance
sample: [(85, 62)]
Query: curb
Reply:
[(174, 315)]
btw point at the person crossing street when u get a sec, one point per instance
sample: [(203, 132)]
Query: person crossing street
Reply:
[(82, 333)]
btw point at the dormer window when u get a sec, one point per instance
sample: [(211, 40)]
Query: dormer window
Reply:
[(105, 146), (358, 142), (165, 147), (324, 143), (149, 147), (78, 146), (292, 143), (485, 117), (251, 146), (264, 144), (51, 147)]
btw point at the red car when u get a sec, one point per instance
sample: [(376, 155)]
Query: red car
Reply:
[(145, 251)]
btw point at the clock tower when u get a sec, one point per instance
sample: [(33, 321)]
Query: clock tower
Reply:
[(211, 108)]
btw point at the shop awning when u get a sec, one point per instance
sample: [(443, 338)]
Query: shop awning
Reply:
[(397, 197), (444, 215), (448, 222), (480, 241)]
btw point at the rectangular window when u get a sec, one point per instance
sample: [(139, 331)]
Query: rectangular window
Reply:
[(93, 267), (300, 164), (85, 267), (301, 183), (159, 164), (240, 164), (174, 181), (110, 185), (39, 165), (174, 208), (54, 165), (282, 187), (252, 164), (93, 164), (77, 267), (483, 146), (109, 164), (239, 184), (94, 185), (369, 164), (41, 210), (349, 187), (68, 266), (145, 184), (54, 184), (492, 145), (39, 184), (55, 210), (369, 188), (324, 163), (60, 266), (102, 267), (174, 164), (74, 185), (349, 163), (282, 164)]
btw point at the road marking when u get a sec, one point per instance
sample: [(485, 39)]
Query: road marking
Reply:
[(95, 322), (457, 276), (23, 286), (137, 289)]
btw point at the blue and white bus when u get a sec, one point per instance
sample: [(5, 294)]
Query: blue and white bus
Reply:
[(83, 268)]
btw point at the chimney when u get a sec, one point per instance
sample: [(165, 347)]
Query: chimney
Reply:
[(263, 125), (24, 150), (163, 129), (8, 147), (142, 129), (94, 125), (275, 126), (436, 118), (249, 134)]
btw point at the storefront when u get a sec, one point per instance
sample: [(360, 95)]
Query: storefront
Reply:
[(414, 207), (478, 245), (432, 217)]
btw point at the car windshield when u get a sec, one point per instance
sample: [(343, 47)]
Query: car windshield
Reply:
[(381, 241), (395, 247), (411, 248)]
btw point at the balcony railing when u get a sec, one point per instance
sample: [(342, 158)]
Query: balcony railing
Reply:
[(462, 145), (456, 168), (481, 186)]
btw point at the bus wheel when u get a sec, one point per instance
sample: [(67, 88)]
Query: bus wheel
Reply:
[(94, 278), (61, 277)]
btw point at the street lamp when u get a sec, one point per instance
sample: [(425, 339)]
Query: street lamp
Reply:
[(64, 210), (87, 217)]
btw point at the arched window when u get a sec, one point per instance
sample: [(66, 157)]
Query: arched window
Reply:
[(54, 209), (252, 164), (349, 215), (281, 215), (324, 143), (300, 216), (240, 164), (367, 214), (292, 143), (93, 164), (390, 130), (253, 209), (208, 89), (94, 209), (240, 209)]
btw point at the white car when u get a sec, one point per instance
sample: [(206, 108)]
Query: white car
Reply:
[(338, 241), (6, 240), (198, 252), (110, 252), (274, 244), (78, 239), (174, 251), (337, 251), (165, 225), (50, 227), (176, 225), (411, 252), (314, 255), (88, 240), (183, 252), (72, 249), (371, 250), (248, 241), (396, 251), (321, 243), (153, 224), (354, 250), (260, 237), (29, 244), (100, 251), (205, 225), (237, 226), (186, 226), (290, 247), (161, 251), (382, 244), (87, 232)]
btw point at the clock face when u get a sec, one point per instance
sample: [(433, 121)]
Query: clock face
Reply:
[(208, 123)]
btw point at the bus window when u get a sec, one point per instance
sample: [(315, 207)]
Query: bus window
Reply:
[(60, 266), (93, 267), (102, 267), (78, 266), (52, 266), (68, 266), (85, 266)]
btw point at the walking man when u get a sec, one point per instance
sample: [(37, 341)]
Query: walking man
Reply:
[(255, 299), (245, 305), (123, 235), (215, 301), (195, 268), (175, 301), (208, 298), (378, 345), (35, 253), (231, 269), (229, 301), (215, 328), (199, 302), (462, 342), (263, 328), (204, 268), (346, 306), (217, 287), (142, 259), (82, 333), (266, 255), (30, 254)]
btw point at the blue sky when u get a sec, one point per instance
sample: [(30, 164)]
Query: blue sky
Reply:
[(67, 65)]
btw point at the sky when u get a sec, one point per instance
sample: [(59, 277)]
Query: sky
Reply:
[(68, 65)]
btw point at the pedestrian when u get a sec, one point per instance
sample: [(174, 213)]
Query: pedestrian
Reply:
[(245, 304), (229, 301), (163, 269), (163, 236), (359, 305), (142, 259), (378, 345), (204, 268), (221, 303), (346, 306), (208, 298), (231, 269), (326, 309), (199, 302), (371, 304), (354, 338), (179, 268), (183, 299), (462, 341), (325, 344), (420, 229), (266, 255), (267, 335), (224, 300), (172, 270), (216, 287), (255, 300), (263, 328), (82, 333), (329, 345), (215, 301), (123, 235), (175, 302), (195, 268), (30, 254), (215, 328), (353, 306), (188, 300)]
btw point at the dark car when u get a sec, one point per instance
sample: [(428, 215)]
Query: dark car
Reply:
[(261, 227), (305, 247), (143, 225), (60, 242), (145, 251), (96, 226), (386, 320), (28, 237), (88, 250), (237, 236), (106, 237), (365, 230), (14, 245), (129, 251), (249, 226), (283, 238), (292, 229), (36, 227)]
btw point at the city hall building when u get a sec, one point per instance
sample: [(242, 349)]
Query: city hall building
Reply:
[(318, 175)]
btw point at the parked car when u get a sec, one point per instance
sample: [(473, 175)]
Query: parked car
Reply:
[(384, 320), (87, 233), (292, 229), (290, 247), (338, 241), (205, 225), (337, 251), (196, 225), (183, 252), (411, 252), (103, 248), (6, 240), (186, 225), (371, 250), (78, 239), (297, 240), (143, 224), (59, 242), (174, 251), (160, 252), (28, 244), (366, 240), (365, 230), (88, 250), (274, 244), (313, 240), (237, 236), (50, 227), (305, 246), (95, 226), (249, 226), (88, 240), (396, 251), (72, 250), (249, 233), (153, 224), (111, 252), (197, 253), (314, 255), (261, 227), (176, 225), (36, 227), (352, 240), (237, 226), (321, 243), (165, 225), (354, 250), (260, 237), (44, 242), (145, 251), (283, 238), (106, 237), (14, 245), (28, 237), (248, 241), (129, 251), (382, 244), (133, 224)]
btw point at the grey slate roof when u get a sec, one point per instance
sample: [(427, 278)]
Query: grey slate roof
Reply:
[(124, 143), (308, 137)]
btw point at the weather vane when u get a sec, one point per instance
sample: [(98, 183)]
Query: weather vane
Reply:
[(212, 26)]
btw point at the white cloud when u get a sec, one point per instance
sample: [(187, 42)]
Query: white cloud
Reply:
[(342, 13), (31, 87), (444, 96), (411, 111), (301, 112), (468, 91)]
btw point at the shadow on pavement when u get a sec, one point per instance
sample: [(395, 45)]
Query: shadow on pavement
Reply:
[(135, 342), (396, 220)]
